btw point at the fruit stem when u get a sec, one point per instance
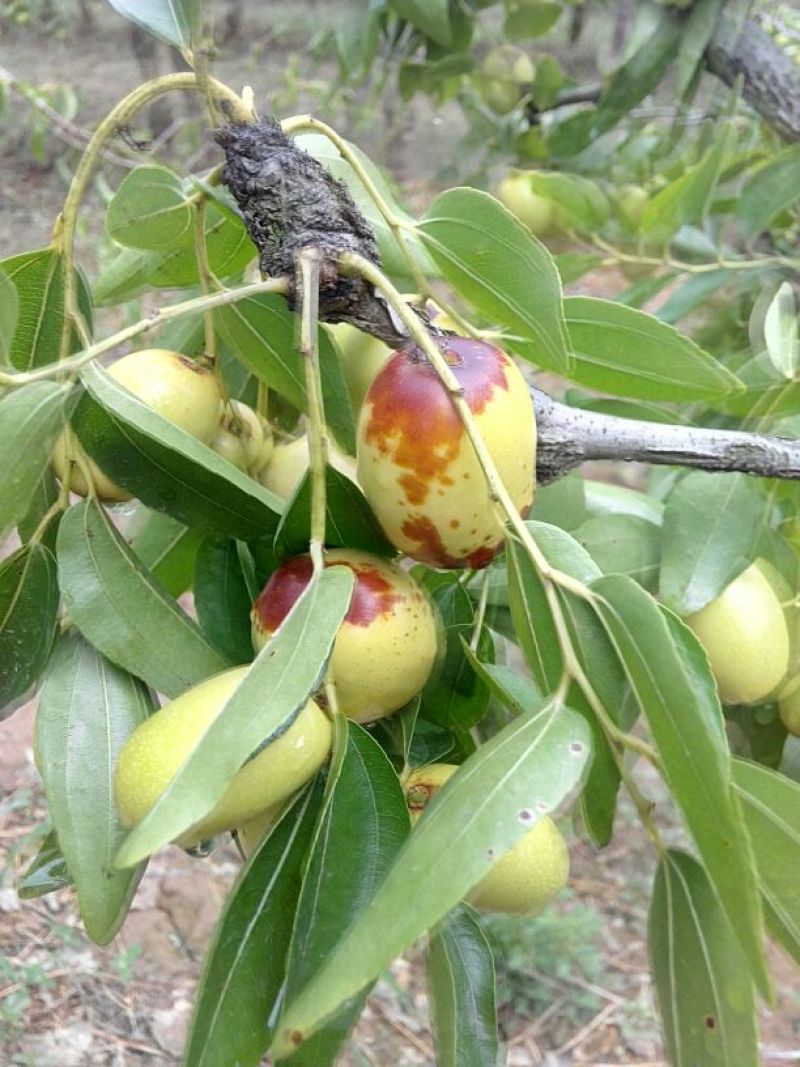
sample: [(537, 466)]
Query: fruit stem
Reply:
[(151, 322), (308, 122), (109, 128), (205, 278), (317, 437)]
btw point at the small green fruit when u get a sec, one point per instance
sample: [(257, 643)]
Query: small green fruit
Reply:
[(156, 750), (289, 462), (633, 199), (745, 637), (243, 437), (526, 877), (533, 210), (362, 356)]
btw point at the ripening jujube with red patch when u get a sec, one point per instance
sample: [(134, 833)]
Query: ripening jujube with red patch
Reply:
[(418, 468), (387, 644)]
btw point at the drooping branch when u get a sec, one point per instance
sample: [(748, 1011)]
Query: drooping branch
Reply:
[(569, 436), (770, 77)]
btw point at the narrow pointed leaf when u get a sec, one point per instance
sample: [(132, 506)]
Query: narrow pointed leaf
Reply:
[(771, 188), (222, 600), (167, 468), (31, 418), (771, 805), (349, 520), (28, 615), (9, 310), (712, 523), (87, 711), (672, 681), (169, 20), (121, 609), (362, 828), (47, 873), (461, 989), (702, 983), (246, 962), (698, 30), (502, 270), (628, 352), (277, 686), (483, 810)]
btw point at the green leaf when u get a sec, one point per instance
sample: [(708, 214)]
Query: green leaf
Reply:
[(533, 621), (262, 333), (638, 76), (502, 270), (454, 696), (533, 20), (166, 547), (771, 804), (623, 544), (693, 292), (672, 681), (461, 989), (602, 498), (222, 600), (430, 17), (770, 189), (172, 21), (349, 520), (580, 202), (31, 418), (686, 199), (697, 32), (28, 616), (167, 468), (362, 828), (628, 352), (38, 278), (149, 210), (482, 811), (712, 523), (44, 496), (87, 710), (704, 991), (288, 669), (780, 332), (123, 611), (47, 873), (562, 503), (9, 310), (244, 969), (573, 265)]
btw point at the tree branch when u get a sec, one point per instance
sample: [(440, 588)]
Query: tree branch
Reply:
[(569, 436), (771, 78)]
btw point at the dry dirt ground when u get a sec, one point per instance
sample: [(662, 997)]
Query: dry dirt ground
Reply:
[(574, 983)]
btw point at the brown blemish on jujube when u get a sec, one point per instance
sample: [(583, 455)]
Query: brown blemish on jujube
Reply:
[(418, 796), (411, 416), (373, 594)]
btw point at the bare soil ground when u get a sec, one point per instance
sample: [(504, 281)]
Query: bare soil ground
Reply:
[(574, 983)]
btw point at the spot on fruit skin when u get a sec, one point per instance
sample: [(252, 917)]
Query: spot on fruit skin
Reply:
[(431, 549), (372, 594), (425, 448)]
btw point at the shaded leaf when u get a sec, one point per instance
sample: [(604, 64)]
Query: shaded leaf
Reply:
[(87, 710), (9, 309), (123, 611), (28, 615), (245, 965), (31, 418), (166, 547), (431, 17), (674, 687), (704, 991), (770, 189), (222, 599), (47, 872), (697, 32), (461, 988)]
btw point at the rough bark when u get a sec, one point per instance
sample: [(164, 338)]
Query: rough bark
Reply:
[(770, 77), (569, 436)]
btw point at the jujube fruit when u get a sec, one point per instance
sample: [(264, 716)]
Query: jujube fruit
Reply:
[(362, 356), (745, 637), (155, 751), (526, 877), (386, 646), (243, 437), (533, 210), (289, 462), (175, 386), (418, 468)]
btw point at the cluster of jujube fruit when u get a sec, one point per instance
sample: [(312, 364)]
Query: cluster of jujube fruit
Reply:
[(422, 478)]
